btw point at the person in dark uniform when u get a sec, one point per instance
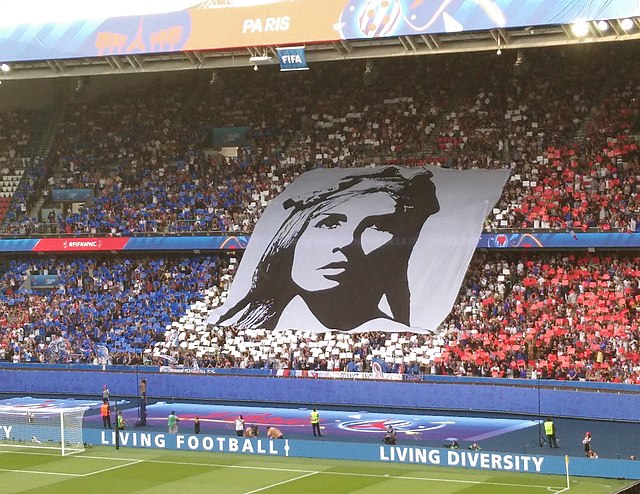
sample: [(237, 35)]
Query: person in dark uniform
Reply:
[(390, 436), (587, 444)]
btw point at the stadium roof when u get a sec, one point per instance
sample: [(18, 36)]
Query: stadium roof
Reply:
[(75, 38), (402, 46)]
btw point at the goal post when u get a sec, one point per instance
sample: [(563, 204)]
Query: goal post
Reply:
[(56, 429)]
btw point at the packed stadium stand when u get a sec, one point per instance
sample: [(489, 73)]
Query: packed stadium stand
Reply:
[(561, 119)]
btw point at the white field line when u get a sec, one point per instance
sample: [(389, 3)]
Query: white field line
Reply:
[(302, 471), (112, 468), (39, 472), (282, 483), (561, 490)]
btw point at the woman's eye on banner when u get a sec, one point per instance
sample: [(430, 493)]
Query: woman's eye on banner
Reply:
[(373, 238)]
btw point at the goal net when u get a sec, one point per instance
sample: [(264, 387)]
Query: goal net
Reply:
[(59, 429)]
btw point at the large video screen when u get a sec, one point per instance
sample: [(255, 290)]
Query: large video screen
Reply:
[(42, 30)]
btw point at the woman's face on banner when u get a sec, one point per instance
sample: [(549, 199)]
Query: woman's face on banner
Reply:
[(338, 238)]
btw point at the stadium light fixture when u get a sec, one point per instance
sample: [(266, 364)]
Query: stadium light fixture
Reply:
[(258, 59), (580, 28), (626, 24), (5, 68), (603, 26)]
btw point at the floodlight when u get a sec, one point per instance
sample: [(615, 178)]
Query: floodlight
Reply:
[(603, 26), (580, 28), (260, 59), (5, 68), (626, 24)]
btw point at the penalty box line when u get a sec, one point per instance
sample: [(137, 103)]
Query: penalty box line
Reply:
[(129, 462), (40, 472)]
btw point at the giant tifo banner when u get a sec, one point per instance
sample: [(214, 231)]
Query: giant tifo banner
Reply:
[(364, 249), (45, 29)]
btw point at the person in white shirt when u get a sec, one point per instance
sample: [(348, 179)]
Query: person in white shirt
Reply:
[(239, 426)]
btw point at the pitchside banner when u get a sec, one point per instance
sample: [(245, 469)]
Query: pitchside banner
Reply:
[(369, 249), (414, 453)]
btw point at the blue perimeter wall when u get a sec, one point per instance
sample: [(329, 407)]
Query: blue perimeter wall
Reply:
[(558, 399)]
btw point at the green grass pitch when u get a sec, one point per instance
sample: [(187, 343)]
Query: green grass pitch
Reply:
[(103, 470)]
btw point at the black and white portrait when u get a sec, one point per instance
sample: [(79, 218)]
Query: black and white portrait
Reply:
[(350, 250)]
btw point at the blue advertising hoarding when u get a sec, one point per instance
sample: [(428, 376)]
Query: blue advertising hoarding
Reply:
[(409, 454), (570, 240), (517, 241), (116, 244)]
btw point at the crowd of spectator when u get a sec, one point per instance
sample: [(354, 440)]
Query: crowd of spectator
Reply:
[(554, 315), (86, 309), (15, 136), (565, 315), (145, 156)]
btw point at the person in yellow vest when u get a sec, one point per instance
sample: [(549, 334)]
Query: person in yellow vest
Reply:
[(315, 423), (550, 431)]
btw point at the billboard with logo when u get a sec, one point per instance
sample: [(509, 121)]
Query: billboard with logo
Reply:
[(41, 29)]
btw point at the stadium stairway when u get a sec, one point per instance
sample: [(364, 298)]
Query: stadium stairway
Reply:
[(431, 147), (45, 137), (605, 89)]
